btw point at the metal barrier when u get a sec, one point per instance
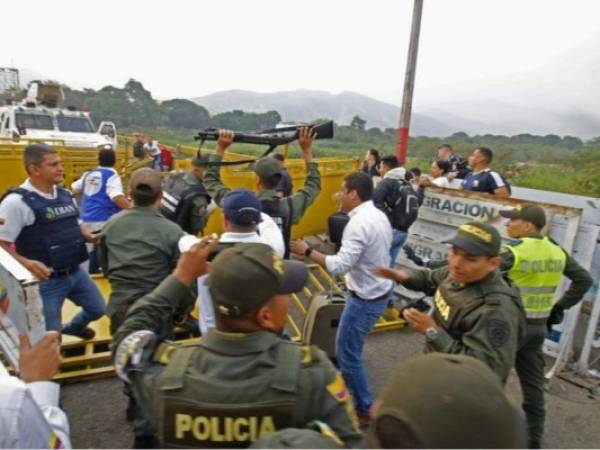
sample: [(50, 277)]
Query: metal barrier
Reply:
[(444, 210), (92, 358), (75, 161), (314, 221)]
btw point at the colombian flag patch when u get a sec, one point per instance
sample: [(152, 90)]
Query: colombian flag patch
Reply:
[(337, 388), (54, 442)]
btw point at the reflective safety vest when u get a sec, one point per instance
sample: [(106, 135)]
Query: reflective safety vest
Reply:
[(195, 410), (177, 201), (537, 271)]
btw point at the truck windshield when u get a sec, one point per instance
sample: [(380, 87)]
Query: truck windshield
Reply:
[(76, 124), (34, 121)]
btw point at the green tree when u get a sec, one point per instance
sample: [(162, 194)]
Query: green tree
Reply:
[(358, 123), (183, 113)]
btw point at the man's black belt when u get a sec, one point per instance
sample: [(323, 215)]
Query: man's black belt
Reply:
[(381, 297), (56, 273)]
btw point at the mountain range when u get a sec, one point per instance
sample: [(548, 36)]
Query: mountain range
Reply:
[(560, 97), (474, 116)]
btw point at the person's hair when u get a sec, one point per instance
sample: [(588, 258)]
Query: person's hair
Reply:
[(488, 155), (447, 146), (361, 183), (144, 196), (395, 433), (375, 153), (279, 157), (444, 166), (35, 153), (416, 172), (271, 182), (390, 161), (107, 157)]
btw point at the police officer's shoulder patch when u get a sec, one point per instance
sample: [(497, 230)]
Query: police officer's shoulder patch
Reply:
[(338, 390), (307, 354), (498, 332)]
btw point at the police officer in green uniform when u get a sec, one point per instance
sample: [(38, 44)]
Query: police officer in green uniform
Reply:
[(477, 313), (536, 265), (185, 200), (242, 382), (286, 211), (138, 247)]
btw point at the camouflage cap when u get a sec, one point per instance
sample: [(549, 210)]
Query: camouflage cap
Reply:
[(267, 167), (296, 438), (448, 401), (529, 213), (146, 180), (477, 239), (245, 276)]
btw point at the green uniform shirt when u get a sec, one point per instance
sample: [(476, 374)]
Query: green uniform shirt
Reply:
[(301, 200), (138, 250), (229, 359), (484, 320), (581, 280)]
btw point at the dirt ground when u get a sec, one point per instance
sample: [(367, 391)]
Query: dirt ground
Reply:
[(96, 409)]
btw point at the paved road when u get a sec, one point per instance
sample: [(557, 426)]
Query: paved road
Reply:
[(97, 409)]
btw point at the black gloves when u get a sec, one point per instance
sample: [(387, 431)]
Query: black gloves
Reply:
[(556, 316)]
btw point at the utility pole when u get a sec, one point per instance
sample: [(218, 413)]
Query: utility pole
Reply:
[(409, 83)]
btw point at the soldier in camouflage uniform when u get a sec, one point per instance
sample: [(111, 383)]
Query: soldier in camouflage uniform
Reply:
[(286, 211), (477, 313), (242, 382)]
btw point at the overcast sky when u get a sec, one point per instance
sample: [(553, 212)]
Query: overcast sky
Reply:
[(189, 48)]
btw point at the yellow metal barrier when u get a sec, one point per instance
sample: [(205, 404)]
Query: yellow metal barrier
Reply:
[(92, 358), (75, 161), (333, 171)]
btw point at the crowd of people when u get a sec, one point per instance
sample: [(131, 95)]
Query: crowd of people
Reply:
[(245, 383)]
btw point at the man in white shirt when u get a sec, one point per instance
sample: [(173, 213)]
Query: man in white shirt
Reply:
[(102, 197), (29, 412), (365, 245), (243, 222), (42, 230)]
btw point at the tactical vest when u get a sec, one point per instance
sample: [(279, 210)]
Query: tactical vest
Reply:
[(55, 237), (452, 307), (96, 205), (280, 210), (193, 410), (177, 201), (537, 271)]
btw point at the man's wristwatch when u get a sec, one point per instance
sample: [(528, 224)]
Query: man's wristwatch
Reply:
[(431, 333), (307, 252)]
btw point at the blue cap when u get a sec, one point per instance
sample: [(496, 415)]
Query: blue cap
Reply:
[(241, 207)]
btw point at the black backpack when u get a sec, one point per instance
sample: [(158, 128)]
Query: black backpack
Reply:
[(405, 208), (281, 211)]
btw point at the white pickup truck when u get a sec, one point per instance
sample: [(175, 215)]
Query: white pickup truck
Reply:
[(41, 116)]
